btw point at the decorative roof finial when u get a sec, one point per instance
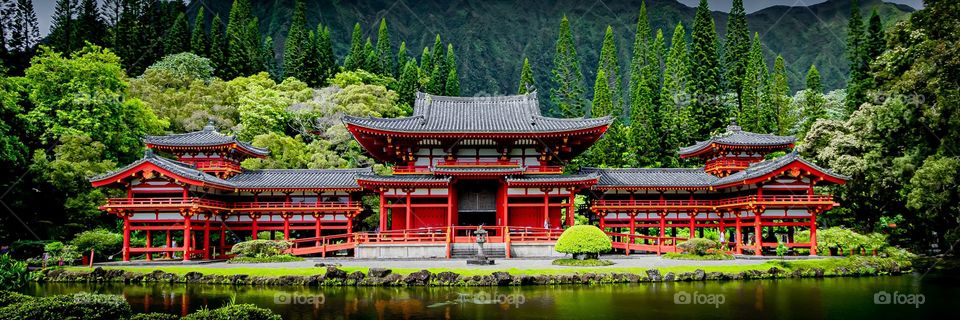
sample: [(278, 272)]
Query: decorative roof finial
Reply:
[(733, 125), (209, 126)]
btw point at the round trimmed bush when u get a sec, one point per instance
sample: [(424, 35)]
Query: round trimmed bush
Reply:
[(698, 246), (583, 241)]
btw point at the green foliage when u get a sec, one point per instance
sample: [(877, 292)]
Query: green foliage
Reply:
[(218, 46), (361, 77), (452, 82), (243, 42), (198, 38), (177, 39), (154, 316), (858, 60), (76, 306), (756, 115), (785, 117), (736, 49), (567, 92), (9, 297), (409, 83), (13, 274), (326, 60), (527, 81), (260, 248), (59, 251), (297, 48), (25, 249), (782, 249), (13, 152), (610, 66), (186, 66), (582, 263), (704, 257), (698, 246), (602, 102), (675, 98), (386, 60), (843, 238), (263, 103), (267, 259), (234, 312), (101, 241), (705, 86), (583, 239), (355, 57)]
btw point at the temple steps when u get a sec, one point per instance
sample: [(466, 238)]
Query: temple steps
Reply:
[(469, 250)]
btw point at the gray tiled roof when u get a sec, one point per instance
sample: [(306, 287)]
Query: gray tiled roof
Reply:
[(206, 137), (735, 136), (553, 177), (652, 177), (299, 178), (403, 178), (765, 167), (179, 168), (504, 170), (505, 114)]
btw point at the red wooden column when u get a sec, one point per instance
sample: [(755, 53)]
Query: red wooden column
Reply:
[(350, 217), (693, 224), (206, 239), (168, 254), (254, 228), (546, 205), (723, 229), (603, 220), (409, 214), (187, 234), (450, 195), (126, 236), (383, 210), (570, 207), (149, 245), (813, 232), (758, 230), (223, 238), (317, 227), (737, 237), (633, 227), (663, 224), (286, 225)]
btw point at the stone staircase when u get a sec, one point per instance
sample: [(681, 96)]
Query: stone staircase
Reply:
[(469, 250)]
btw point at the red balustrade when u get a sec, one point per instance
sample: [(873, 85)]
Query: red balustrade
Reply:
[(244, 206), (411, 170), (544, 169), (478, 163), (728, 164), (164, 202), (217, 165), (731, 202)]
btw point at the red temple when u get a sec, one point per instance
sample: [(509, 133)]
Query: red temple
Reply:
[(461, 163)]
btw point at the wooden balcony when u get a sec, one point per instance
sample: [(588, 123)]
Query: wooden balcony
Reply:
[(478, 163), (163, 203), (148, 204), (412, 170), (544, 170), (217, 165), (713, 205), (535, 169)]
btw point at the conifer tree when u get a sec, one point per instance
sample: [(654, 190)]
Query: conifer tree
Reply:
[(356, 57), (813, 107), (371, 62), (643, 134), (90, 28), (243, 45), (387, 65), (62, 36), (198, 40), (813, 80), (438, 76), (780, 97), (23, 30), (426, 61), (436, 83), (602, 96), (452, 81), (218, 46), (527, 81), (438, 58), (178, 38), (568, 90), (402, 57), (408, 83), (638, 60), (268, 58), (752, 117), (856, 54), (657, 58), (326, 60), (874, 42), (296, 50), (736, 50), (675, 98), (611, 67), (705, 86)]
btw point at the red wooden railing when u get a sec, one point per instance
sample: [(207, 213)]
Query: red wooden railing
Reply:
[(478, 163), (147, 202), (544, 169), (727, 164), (656, 244), (411, 170), (216, 165), (183, 202), (738, 201), (398, 236)]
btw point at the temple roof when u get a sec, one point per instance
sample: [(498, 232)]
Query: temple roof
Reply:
[(479, 170), (735, 136), (553, 178), (183, 170), (208, 137), (504, 114), (299, 178), (402, 180), (764, 168), (652, 177)]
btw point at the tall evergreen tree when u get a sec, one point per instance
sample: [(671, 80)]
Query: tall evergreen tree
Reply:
[(813, 80), (675, 98), (371, 62), (856, 54), (527, 81), (437, 52), (198, 39), (874, 42), (756, 115), (218, 46), (435, 85), (705, 86), (567, 93), (426, 62), (243, 44), (356, 56), (606, 152), (402, 56), (638, 60), (63, 32), (452, 81), (438, 76), (326, 60), (177, 39), (736, 50), (387, 63), (657, 57), (813, 108), (780, 97), (296, 50), (643, 134), (90, 28), (23, 30), (268, 58), (611, 68), (602, 96), (408, 83)]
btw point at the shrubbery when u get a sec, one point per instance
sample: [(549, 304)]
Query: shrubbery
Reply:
[(234, 312), (698, 246), (278, 258), (582, 263), (75, 306), (154, 316), (59, 251), (260, 248), (25, 249), (849, 241), (103, 242), (583, 241), (13, 273)]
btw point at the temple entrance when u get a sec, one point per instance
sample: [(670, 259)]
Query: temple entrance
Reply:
[(477, 203)]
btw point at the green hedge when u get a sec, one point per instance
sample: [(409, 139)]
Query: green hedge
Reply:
[(234, 312), (260, 248), (155, 316), (76, 306), (277, 258), (698, 246), (103, 242), (583, 239), (842, 238)]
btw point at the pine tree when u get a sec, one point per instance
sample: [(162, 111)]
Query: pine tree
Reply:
[(426, 61), (23, 30), (452, 81), (326, 60), (198, 40), (62, 36), (638, 60), (438, 56), (387, 65), (356, 56), (402, 56), (708, 112), (780, 96), (736, 50), (296, 50), (856, 54), (90, 28), (875, 42), (371, 62), (177, 39), (218, 46), (602, 96), (675, 98), (438, 76), (243, 44), (268, 58), (436, 83), (643, 134), (813, 108), (813, 80), (657, 58), (567, 94), (611, 67), (753, 116), (409, 81), (527, 81)]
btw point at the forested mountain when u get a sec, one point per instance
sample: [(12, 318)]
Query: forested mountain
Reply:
[(493, 37)]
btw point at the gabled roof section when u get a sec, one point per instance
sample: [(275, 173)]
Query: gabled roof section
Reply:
[(483, 115), (762, 170), (179, 170), (403, 180), (652, 178), (735, 136), (208, 137), (574, 180), (345, 179)]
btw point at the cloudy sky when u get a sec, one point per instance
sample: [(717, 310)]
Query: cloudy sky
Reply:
[(45, 8)]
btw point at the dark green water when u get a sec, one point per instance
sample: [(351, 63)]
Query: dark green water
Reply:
[(833, 298)]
